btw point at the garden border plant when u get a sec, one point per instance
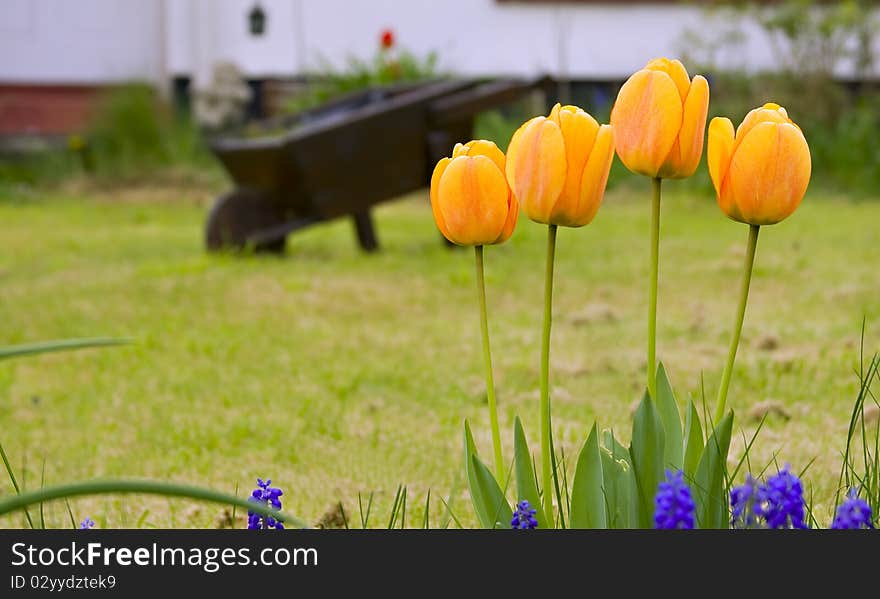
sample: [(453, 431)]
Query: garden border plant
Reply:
[(557, 167)]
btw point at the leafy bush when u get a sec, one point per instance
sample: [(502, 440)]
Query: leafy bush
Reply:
[(132, 134), (388, 66)]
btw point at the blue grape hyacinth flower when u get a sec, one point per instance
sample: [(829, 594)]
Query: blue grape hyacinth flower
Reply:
[(780, 501), (853, 514), (743, 504), (674, 505), (524, 516), (265, 494), (87, 524)]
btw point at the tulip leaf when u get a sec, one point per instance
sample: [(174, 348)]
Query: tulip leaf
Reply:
[(494, 503), (526, 485), (588, 495), (709, 483), (619, 489), (693, 441), (42, 347), (669, 414), (618, 451), (646, 451), (473, 482)]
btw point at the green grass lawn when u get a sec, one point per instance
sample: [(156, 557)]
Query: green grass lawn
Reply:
[(334, 373)]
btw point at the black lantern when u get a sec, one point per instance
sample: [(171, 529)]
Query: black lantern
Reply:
[(257, 20)]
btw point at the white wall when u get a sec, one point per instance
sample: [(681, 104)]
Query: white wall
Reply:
[(80, 41), (202, 32), (108, 40)]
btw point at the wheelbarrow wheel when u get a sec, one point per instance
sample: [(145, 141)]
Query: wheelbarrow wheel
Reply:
[(236, 216)]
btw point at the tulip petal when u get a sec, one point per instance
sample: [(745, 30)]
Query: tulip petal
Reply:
[(435, 202), (719, 150), (646, 118), (685, 155), (768, 113), (579, 131), (510, 223), (482, 147), (536, 166), (473, 199), (676, 72), (595, 177), (769, 173)]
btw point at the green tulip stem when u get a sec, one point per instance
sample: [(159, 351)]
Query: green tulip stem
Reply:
[(738, 323), (487, 359), (100, 487), (652, 297), (546, 465)]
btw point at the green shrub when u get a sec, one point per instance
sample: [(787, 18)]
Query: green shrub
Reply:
[(133, 133), (384, 68)]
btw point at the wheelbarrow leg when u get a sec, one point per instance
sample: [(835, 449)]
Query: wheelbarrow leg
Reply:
[(366, 233)]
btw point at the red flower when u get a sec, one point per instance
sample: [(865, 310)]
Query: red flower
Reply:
[(387, 39)]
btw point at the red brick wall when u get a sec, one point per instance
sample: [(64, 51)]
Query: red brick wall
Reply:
[(45, 109)]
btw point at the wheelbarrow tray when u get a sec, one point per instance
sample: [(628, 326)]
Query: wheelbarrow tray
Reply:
[(344, 157)]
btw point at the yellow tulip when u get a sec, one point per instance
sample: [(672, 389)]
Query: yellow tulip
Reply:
[(762, 171), (659, 120), (471, 201), (557, 166)]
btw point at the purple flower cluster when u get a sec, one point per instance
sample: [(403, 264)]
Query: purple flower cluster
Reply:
[(267, 495), (742, 504), (674, 505), (87, 524), (524, 516), (778, 503), (853, 514)]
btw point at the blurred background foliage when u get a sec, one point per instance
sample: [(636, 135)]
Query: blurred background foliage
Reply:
[(135, 135), (813, 44), (388, 67)]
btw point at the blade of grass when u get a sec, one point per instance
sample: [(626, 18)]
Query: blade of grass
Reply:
[(403, 516), (451, 513), (561, 519), (73, 523), (365, 519), (394, 507), (42, 484), (234, 507), (427, 510), (448, 503), (11, 473), (748, 448)]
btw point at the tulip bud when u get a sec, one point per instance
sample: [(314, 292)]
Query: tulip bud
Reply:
[(471, 201), (558, 166), (659, 120), (761, 172)]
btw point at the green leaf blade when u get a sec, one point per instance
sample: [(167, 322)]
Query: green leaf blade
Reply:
[(693, 441), (474, 488), (669, 414), (43, 347), (619, 487), (709, 483), (526, 485), (494, 502), (646, 452), (588, 488)]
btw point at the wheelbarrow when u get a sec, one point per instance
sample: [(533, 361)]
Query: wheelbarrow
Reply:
[(344, 157)]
